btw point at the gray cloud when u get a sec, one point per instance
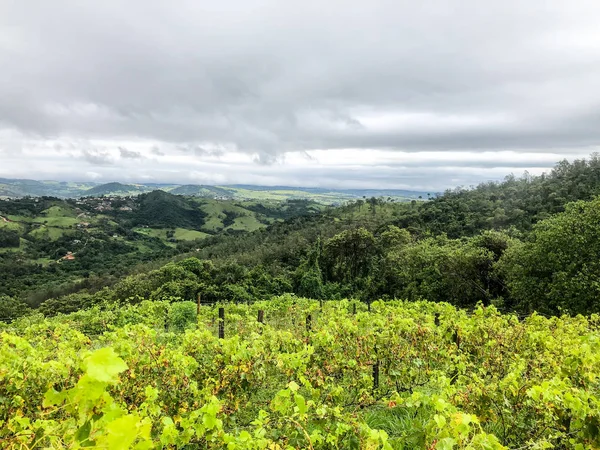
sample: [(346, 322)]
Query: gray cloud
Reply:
[(202, 150), (129, 154), (155, 150), (265, 159), (265, 78), (97, 157)]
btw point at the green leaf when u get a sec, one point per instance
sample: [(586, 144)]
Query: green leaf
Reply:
[(445, 444), (301, 404), (245, 436), (440, 421), (83, 432), (122, 432), (53, 398), (104, 365), (209, 421)]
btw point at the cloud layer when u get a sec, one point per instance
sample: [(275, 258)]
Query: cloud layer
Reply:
[(372, 94)]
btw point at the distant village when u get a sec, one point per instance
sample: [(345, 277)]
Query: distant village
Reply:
[(102, 204)]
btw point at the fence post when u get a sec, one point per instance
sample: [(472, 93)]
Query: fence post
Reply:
[(354, 308), (376, 371), (456, 338), (198, 303), (221, 323), (369, 305), (308, 323), (261, 316), (167, 320)]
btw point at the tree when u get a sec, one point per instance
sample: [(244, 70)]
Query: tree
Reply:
[(310, 278), (557, 268), (439, 269), (12, 308), (9, 238), (349, 255), (394, 238)]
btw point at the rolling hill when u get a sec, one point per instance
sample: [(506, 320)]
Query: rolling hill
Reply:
[(22, 188), (116, 189), (159, 209)]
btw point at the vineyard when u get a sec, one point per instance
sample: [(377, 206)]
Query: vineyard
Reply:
[(294, 373)]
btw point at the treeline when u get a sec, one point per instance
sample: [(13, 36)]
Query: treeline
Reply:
[(515, 202)]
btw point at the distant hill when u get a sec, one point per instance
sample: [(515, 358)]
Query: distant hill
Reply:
[(318, 190), (116, 189), (161, 209), (24, 188), (201, 191)]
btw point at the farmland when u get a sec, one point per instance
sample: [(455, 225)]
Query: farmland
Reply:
[(391, 375)]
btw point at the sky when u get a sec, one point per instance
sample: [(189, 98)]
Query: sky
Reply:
[(423, 95)]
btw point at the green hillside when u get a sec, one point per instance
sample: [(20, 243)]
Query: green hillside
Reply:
[(201, 191), (160, 209), (115, 189), (108, 236)]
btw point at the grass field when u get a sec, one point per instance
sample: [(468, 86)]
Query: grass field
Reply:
[(54, 216), (57, 221), (59, 211), (10, 225), (52, 233), (246, 223), (282, 195), (181, 234), (216, 212), (160, 233)]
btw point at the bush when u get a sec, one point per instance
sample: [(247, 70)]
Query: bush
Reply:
[(12, 308), (182, 316), (9, 238)]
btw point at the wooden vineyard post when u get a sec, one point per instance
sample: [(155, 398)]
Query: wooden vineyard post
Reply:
[(308, 323), (261, 316), (454, 373), (354, 309), (456, 338), (376, 375), (321, 303), (198, 303), (369, 305), (436, 319), (221, 323), (167, 320), (376, 371)]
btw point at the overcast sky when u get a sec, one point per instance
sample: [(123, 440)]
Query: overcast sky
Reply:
[(395, 94)]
